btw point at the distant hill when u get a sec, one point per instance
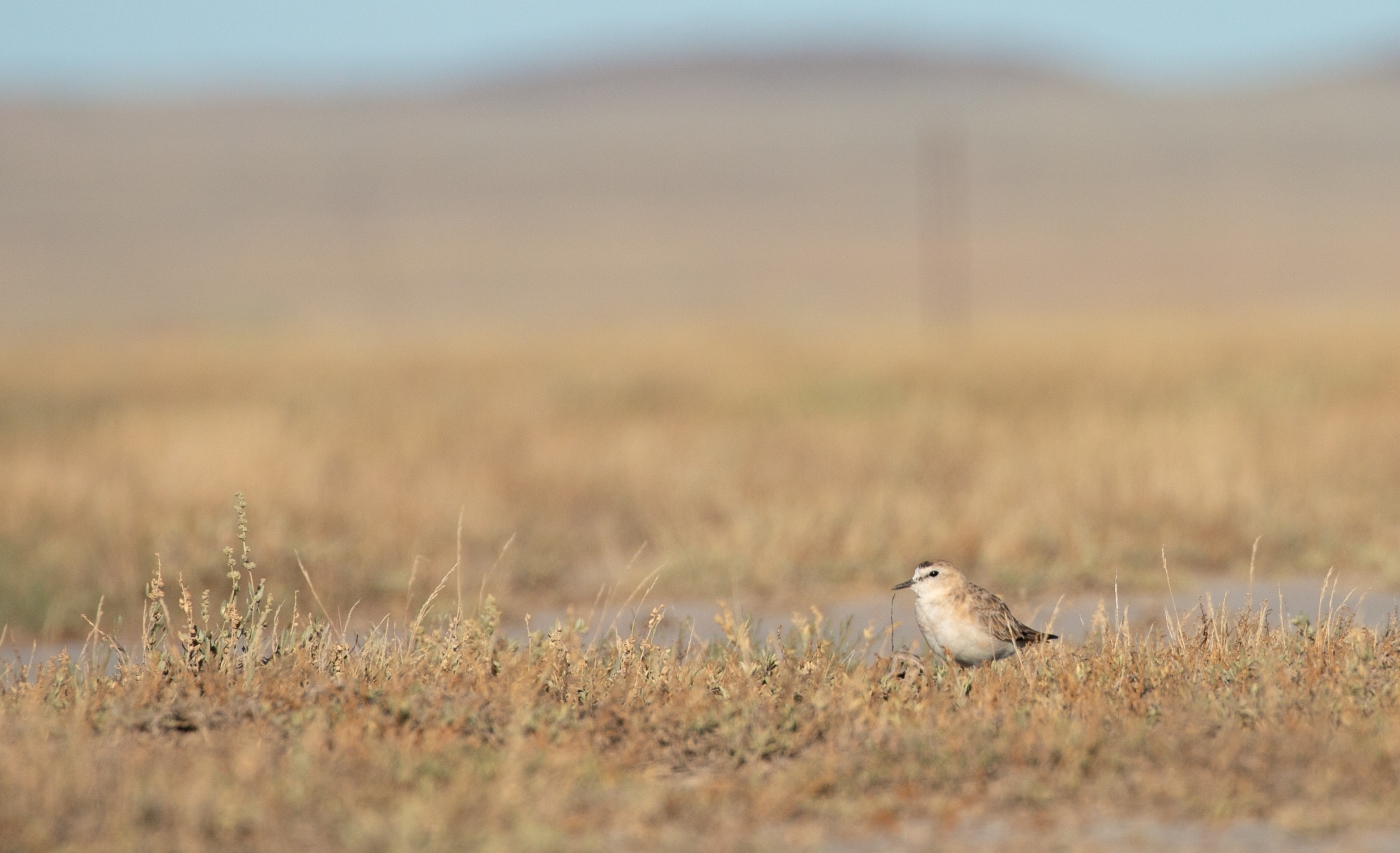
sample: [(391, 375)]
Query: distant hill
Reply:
[(714, 186), (803, 67)]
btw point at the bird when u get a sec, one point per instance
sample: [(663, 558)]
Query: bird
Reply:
[(963, 622)]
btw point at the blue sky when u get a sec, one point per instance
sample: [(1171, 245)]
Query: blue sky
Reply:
[(162, 46)]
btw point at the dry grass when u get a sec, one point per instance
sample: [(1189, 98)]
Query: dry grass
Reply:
[(257, 728), (796, 465)]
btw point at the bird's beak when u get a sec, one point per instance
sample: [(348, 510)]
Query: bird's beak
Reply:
[(906, 584)]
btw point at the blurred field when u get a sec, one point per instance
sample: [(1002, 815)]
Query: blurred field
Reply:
[(785, 465), (665, 314)]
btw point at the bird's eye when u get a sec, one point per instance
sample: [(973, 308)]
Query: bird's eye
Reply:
[(933, 574)]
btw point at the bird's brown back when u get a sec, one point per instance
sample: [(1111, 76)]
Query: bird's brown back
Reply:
[(993, 615)]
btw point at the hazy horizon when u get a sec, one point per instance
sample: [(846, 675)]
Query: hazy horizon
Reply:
[(98, 48), (742, 190)]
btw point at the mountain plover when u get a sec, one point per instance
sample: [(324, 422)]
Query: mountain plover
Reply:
[(962, 621)]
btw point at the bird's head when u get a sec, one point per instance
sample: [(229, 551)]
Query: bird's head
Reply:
[(929, 575)]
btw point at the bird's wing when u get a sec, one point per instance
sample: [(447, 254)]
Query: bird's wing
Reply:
[(995, 617)]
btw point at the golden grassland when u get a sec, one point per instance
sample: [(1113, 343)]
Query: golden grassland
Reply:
[(787, 464), (249, 724), (793, 465)]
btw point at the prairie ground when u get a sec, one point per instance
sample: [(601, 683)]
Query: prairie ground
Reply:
[(237, 724)]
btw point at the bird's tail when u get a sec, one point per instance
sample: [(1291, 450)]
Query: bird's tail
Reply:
[(1027, 636)]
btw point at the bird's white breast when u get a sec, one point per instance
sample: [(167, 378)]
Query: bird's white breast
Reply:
[(957, 634)]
